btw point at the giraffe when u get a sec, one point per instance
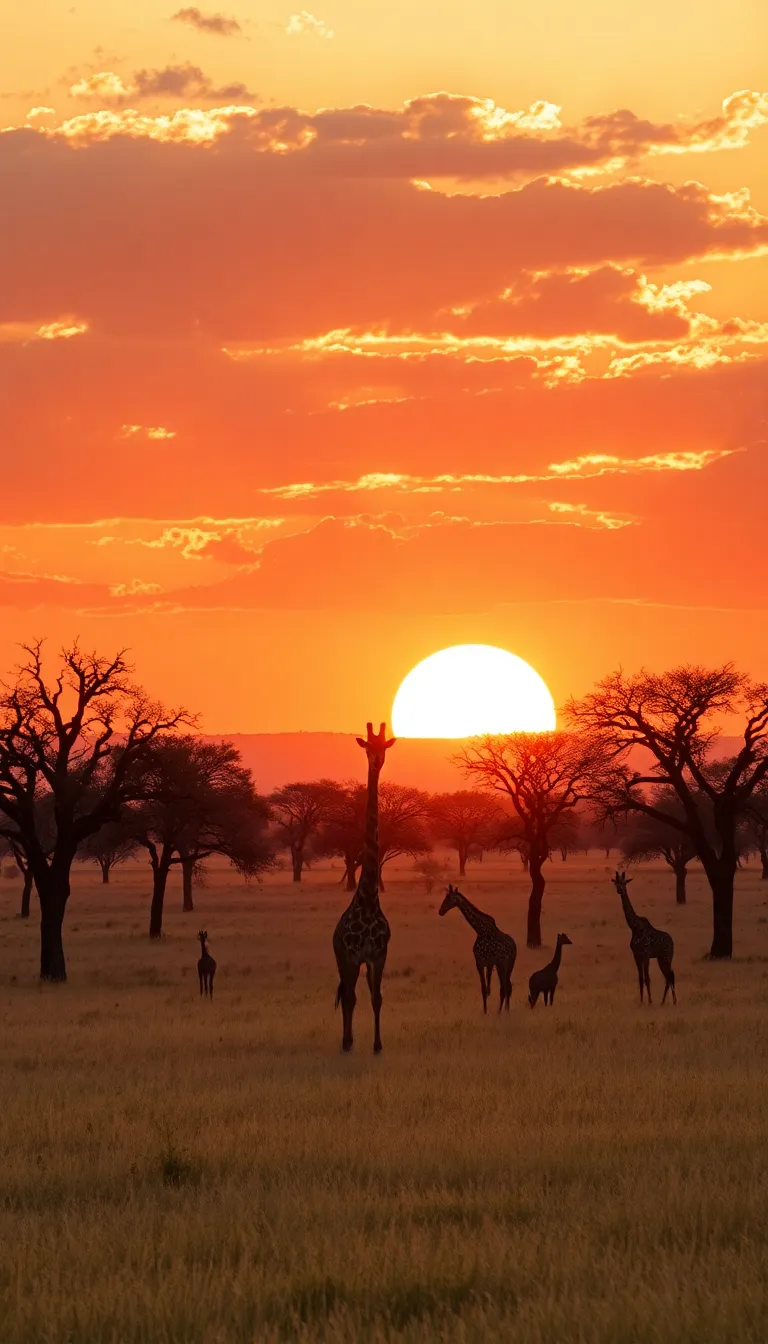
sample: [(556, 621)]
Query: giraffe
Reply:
[(206, 966), (545, 981), (362, 933), (646, 943), (491, 947)]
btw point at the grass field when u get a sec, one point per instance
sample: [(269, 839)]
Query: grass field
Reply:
[(195, 1173)]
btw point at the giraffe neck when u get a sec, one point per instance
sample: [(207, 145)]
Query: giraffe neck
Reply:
[(474, 917), (632, 919), (555, 963), (368, 886)]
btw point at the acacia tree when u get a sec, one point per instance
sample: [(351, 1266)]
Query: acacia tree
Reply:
[(463, 820), (299, 810), (199, 800), (403, 814), (80, 738), (648, 838), (675, 718), (544, 775), (342, 832), (108, 847)]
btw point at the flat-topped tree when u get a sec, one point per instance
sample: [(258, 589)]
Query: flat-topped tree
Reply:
[(544, 776), (676, 718), (81, 739)]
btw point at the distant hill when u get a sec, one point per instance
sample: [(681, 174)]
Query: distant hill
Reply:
[(279, 758)]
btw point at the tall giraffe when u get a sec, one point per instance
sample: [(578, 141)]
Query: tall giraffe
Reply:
[(491, 947), (646, 943), (362, 933)]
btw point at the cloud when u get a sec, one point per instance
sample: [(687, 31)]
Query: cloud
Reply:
[(589, 465), (169, 81), (147, 431), (302, 23), (177, 241), (220, 25), (436, 136), (605, 464)]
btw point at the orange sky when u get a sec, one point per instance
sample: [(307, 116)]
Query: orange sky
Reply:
[(329, 339)]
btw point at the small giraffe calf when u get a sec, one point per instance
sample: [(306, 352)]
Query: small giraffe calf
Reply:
[(206, 966), (545, 981)]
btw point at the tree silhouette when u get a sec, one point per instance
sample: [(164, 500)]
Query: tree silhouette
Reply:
[(756, 821), (199, 800), (403, 814), (674, 718), (544, 775), (299, 810), (464, 819), (82, 738), (648, 838), (109, 846)]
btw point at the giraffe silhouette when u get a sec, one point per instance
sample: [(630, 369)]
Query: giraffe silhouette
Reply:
[(492, 948), (545, 981), (362, 934), (646, 943), (206, 966)]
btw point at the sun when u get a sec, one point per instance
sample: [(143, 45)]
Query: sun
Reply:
[(471, 689)]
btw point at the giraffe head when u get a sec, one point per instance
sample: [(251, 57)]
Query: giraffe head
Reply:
[(450, 900), (375, 745), (621, 882), (563, 940), (203, 936)]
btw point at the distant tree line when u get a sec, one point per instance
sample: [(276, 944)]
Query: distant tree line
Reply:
[(92, 769)]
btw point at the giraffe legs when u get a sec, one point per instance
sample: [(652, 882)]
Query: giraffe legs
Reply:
[(347, 997), (647, 976), (374, 972), (669, 977), (485, 985), (642, 974), (505, 986)]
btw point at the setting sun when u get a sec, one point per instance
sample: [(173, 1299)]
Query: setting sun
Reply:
[(470, 689)]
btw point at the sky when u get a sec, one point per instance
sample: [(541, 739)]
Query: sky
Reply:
[(330, 338)]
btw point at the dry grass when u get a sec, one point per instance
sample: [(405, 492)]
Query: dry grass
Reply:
[(175, 1171)]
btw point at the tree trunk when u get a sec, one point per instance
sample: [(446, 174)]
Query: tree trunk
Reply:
[(721, 883), (26, 895), (681, 872), (105, 865), (53, 893), (764, 863), (160, 871), (350, 874), (534, 900), (381, 879), (462, 861), (297, 863), (187, 874)]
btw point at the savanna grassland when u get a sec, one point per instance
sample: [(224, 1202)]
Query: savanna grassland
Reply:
[(181, 1172)]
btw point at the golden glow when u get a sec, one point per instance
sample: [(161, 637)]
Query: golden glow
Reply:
[(470, 689)]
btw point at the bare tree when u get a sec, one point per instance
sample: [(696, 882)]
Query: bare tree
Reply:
[(674, 718), (465, 820), (299, 810), (544, 775), (82, 738), (647, 838), (109, 846)]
